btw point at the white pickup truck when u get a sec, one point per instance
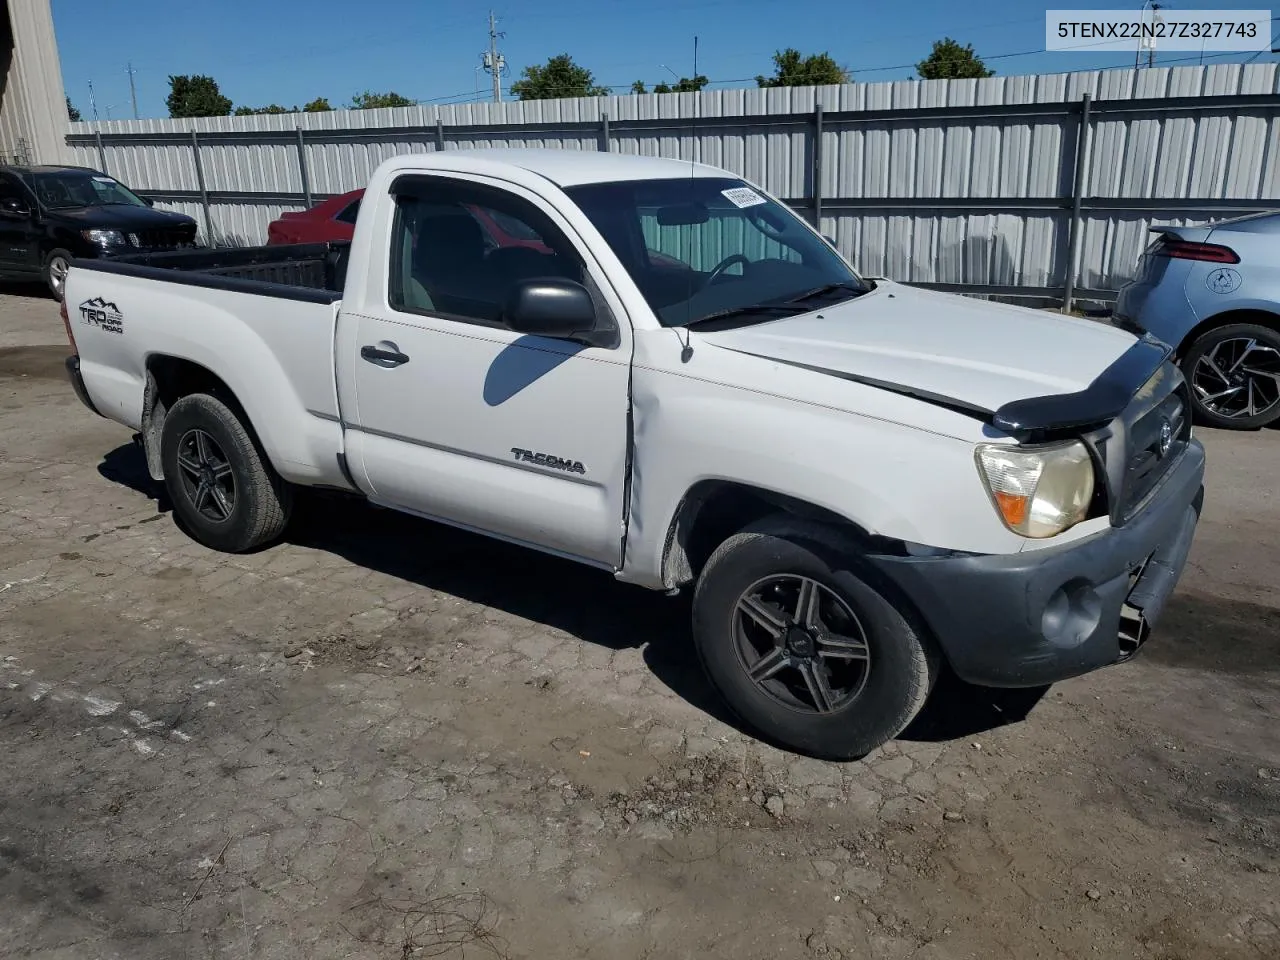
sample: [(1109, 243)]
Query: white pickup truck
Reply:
[(658, 369)]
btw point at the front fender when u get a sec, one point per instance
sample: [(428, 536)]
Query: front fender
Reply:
[(888, 479)]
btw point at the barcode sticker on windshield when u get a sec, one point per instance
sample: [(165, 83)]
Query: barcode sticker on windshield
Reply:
[(742, 197)]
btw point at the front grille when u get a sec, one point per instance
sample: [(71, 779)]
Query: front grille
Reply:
[(1163, 426), (161, 239), (1129, 448), (1154, 431)]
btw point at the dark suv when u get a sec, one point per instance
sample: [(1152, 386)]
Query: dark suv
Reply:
[(51, 215)]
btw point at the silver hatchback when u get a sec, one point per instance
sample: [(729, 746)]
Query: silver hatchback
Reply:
[(1213, 293)]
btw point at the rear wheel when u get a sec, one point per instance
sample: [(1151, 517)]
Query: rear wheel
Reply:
[(804, 649), (1234, 372), (223, 490), (56, 267)]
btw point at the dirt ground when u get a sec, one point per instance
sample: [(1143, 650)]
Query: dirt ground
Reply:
[(387, 739)]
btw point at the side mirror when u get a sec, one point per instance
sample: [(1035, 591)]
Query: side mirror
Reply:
[(14, 207), (550, 307), (148, 201)]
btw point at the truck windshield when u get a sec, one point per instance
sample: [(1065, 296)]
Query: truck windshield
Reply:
[(65, 190), (707, 249)]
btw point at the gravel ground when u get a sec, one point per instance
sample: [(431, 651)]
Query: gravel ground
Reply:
[(387, 739)]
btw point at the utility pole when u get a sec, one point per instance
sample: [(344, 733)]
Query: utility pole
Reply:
[(1148, 42), (492, 60), (133, 92), (1151, 48)]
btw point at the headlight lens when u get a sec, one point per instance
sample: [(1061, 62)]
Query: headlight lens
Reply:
[(1038, 491), (105, 238)]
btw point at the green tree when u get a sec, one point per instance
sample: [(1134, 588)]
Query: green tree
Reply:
[(318, 105), (950, 61), (72, 113), (559, 77), (272, 108), (684, 85), (375, 101), (196, 96), (791, 69), (637, 87)]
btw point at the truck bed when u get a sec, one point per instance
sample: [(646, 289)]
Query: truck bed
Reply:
[(313, 272)]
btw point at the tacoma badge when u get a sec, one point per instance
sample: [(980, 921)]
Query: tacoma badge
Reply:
[(547, 460)]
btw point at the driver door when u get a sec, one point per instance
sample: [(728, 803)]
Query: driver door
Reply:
[(461, 419), (19, 251)]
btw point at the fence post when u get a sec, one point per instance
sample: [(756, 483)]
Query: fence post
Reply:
[(604, 133), (102, 153), (204, 193), (439, 134), (817, 167), (302, 168), (1077, 198)]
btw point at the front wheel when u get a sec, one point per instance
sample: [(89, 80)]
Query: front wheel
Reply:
[(1234, 372), (802, 648), (223, 490), (56, 267)]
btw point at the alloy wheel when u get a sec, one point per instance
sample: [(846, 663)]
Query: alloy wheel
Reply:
[(801, 644), (206, 476), (1238, 378), (58, 270)]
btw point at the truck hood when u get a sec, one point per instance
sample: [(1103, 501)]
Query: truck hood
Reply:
[(120, 216), (967, 353)]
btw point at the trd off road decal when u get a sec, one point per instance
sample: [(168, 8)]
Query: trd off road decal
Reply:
[(102, 314), (547, 460)]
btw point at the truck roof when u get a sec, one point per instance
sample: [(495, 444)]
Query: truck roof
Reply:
[(569, 168)]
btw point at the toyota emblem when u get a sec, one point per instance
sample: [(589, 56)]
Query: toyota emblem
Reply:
[(1166, 438)]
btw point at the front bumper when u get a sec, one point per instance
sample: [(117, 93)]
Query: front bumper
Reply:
[(77, 382), (1036, 617)]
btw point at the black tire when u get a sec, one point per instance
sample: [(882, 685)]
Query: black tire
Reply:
[(1217, 352), (258, 509), (899, 672), (53, 270)]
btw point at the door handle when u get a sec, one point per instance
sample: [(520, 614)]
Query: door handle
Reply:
[(383, 354)]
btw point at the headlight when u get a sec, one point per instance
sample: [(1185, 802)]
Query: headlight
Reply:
[(1038, 491), (105, 238)]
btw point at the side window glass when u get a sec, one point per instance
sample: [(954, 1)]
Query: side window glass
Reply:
[(459, 250), (9, 190), (349, 213)]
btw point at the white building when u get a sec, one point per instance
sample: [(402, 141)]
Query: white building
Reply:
[(33, 106)]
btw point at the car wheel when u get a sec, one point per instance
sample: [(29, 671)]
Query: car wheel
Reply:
[(805, 650), (56, 266), (224, 492), (1234, 373)]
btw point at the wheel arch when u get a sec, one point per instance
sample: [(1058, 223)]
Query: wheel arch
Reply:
[(169, 379), (1253, 315), (711, 511)]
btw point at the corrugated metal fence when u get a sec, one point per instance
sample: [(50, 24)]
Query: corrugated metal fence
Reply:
[(984, 186)]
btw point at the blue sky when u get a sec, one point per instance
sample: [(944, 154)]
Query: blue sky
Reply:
[(290, 51)]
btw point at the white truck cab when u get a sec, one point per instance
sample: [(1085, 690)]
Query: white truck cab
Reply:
[(656, 368)]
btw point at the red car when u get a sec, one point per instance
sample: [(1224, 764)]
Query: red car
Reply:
[(335, 219)]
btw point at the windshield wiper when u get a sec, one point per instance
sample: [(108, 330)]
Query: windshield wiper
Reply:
[(826, 288), (765, 310)]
